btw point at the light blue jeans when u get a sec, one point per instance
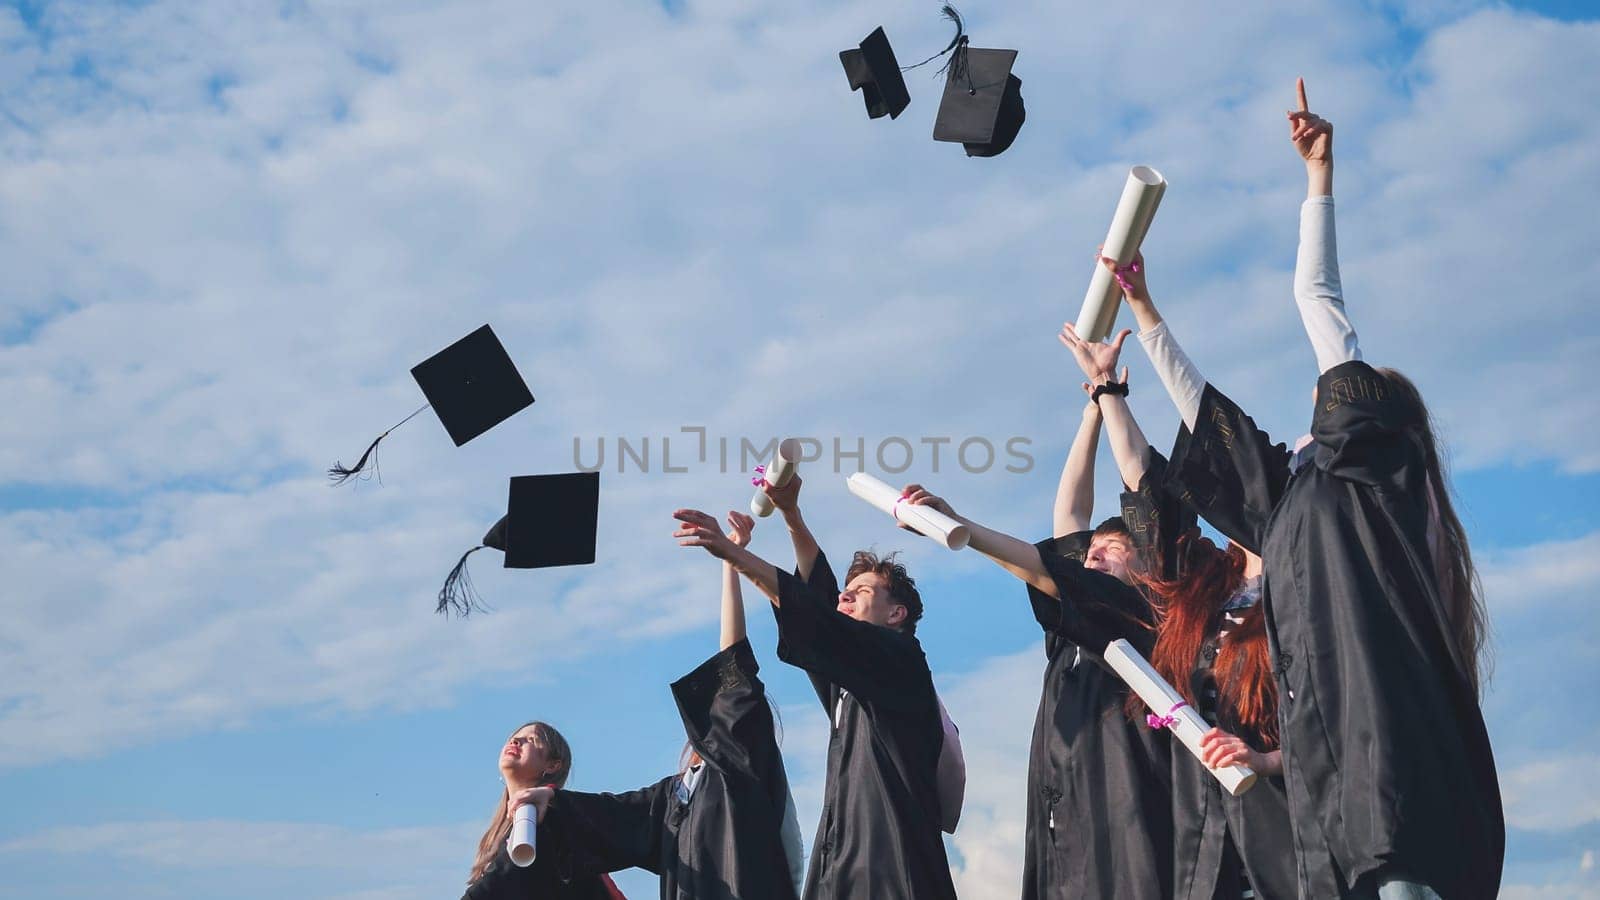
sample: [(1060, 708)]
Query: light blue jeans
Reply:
[(1401, 889)]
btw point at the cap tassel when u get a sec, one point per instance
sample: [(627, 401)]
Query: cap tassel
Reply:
[(338, 473), (458, 593), (960, 40)]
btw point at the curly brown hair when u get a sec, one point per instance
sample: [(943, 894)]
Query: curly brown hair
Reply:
[(902, 587)]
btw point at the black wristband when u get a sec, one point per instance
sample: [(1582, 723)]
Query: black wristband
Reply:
[(1119, 388)]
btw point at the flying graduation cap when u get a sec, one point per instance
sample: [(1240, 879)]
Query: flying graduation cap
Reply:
[(873, 70), (982, 103), (472, 386), (550, 521)]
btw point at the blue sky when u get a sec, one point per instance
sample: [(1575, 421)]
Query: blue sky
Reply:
[(228, 236)]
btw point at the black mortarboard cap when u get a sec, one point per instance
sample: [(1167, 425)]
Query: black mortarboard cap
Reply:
[(550, 520), (874, 72), (982, 102), (472, 386)]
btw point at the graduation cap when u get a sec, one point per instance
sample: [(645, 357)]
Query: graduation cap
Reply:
[(550, 521), (873, 70), (982, 103), (472, 386)]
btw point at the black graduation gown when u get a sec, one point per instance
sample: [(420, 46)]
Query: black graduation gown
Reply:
[(1099, 785), (1388, 764), (879, 835), (726, 842), (1215, 833), (556, 874)]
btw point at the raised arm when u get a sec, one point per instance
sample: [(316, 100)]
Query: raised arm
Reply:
[(1016, 556), (1317, 291), (1177, 373), (733, 629), (806, 549), (696, 529), (1099, 364), (1074, 505)]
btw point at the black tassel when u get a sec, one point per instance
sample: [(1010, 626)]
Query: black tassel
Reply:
[(458, 593), (960, 40), (338, 473)]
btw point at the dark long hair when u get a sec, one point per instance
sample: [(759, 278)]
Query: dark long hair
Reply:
[(1459, 586), (1190, 607), (548, 739)]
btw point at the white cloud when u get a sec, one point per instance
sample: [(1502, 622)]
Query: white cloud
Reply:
[(1553, 794)]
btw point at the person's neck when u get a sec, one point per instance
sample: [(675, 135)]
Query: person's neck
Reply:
[(514, 784), (1252, 565)]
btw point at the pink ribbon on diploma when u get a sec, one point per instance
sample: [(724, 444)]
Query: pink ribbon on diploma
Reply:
[(761, 476), (1166, 721)]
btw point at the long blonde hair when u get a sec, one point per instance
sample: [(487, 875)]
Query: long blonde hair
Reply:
[(1459, 586), (555, 747)]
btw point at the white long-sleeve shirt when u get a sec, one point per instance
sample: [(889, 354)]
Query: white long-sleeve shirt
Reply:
[(1317, 294)]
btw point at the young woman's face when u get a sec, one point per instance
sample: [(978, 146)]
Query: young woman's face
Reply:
[(524, 760), (866, 599)]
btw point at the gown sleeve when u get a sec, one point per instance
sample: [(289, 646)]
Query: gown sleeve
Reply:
[(725, 714), (877, 664), (1156, 518), (825, 588), (611, 832), (1095, 608), (1228, 470)]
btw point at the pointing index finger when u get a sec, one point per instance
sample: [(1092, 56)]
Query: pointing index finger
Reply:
[(1300, 89)]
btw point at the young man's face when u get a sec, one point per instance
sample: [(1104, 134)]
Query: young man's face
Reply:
[(866, 599), (1111, 554)]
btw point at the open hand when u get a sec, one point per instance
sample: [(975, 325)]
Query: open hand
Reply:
[(696, 529), (1098, 361), (739, 528), (1311, 134)]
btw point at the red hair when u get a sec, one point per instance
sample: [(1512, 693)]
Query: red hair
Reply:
[(1189, 608)]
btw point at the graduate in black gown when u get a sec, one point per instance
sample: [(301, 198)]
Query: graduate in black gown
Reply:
[(1371, 603), (534, 755), (879, 837), (715, 830), (1099, 820), (1212, 646)]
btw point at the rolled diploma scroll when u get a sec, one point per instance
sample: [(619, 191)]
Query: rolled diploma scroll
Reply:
[(778, 474), (1140, 197), (1164, 701), (522, 846), (925, 520)]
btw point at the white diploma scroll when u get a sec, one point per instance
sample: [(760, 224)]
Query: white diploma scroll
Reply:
[(924, 520), (1169, 706), (522, 846), (778, 473), (1140, 197)]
